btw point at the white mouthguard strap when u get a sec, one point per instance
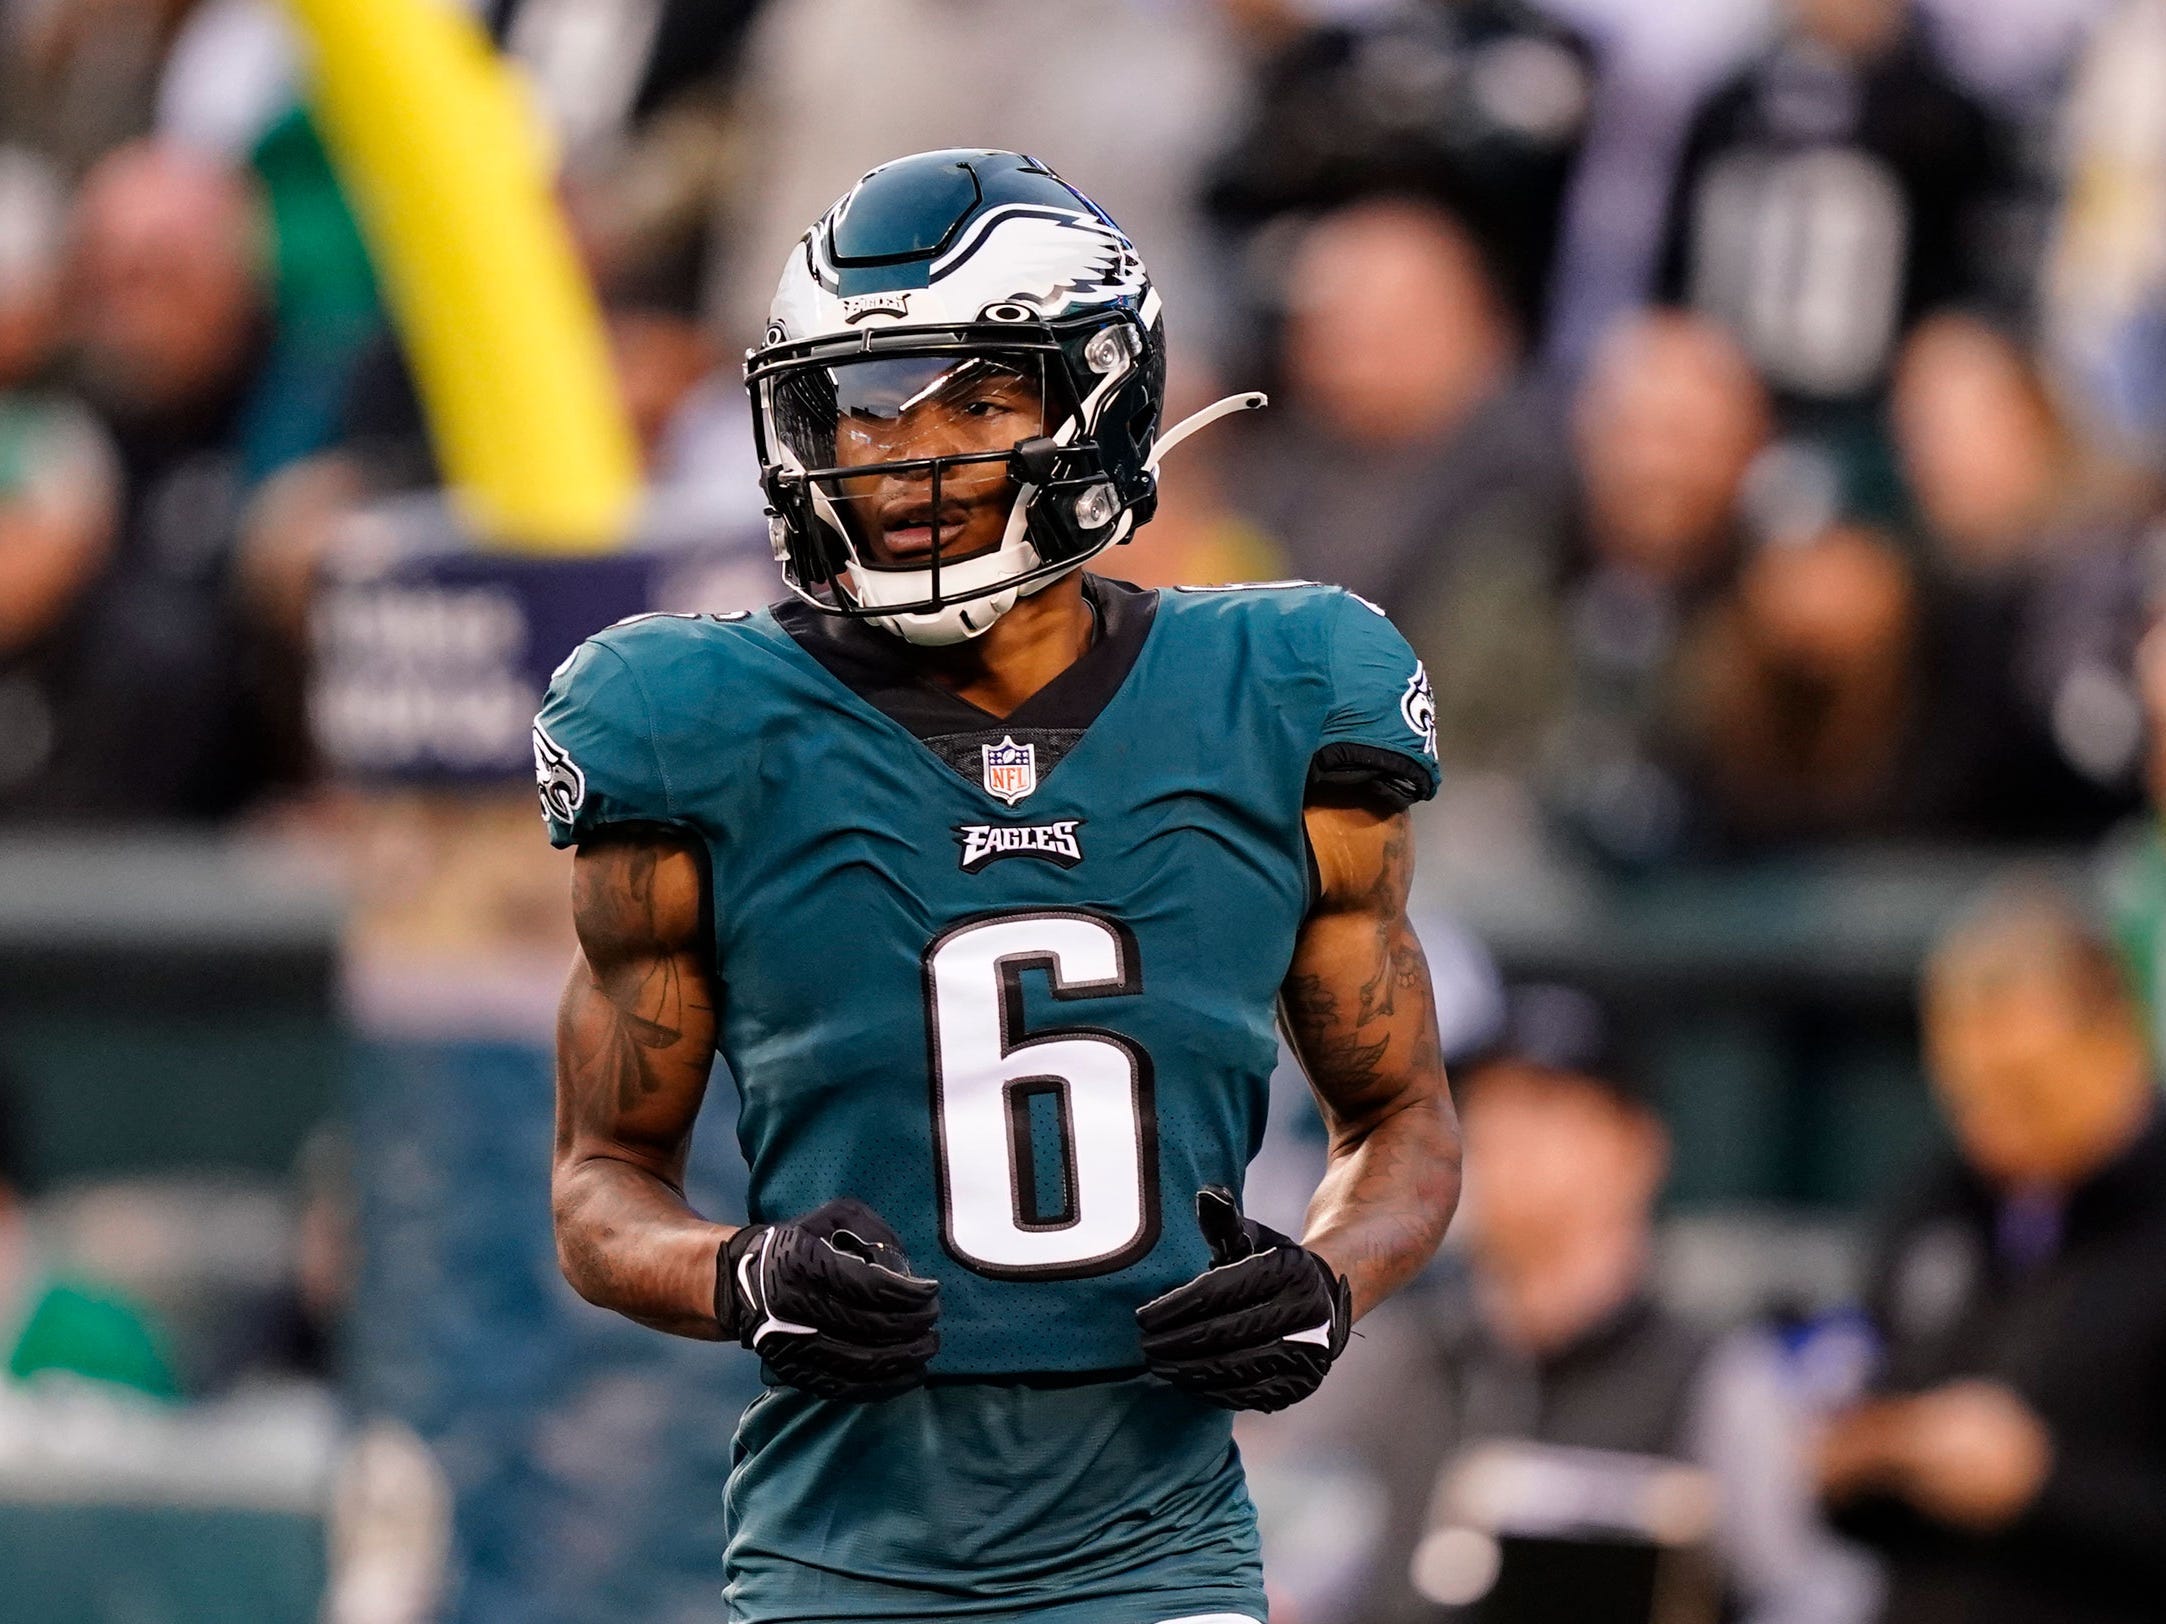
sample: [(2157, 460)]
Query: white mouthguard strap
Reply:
[(1253, 400)]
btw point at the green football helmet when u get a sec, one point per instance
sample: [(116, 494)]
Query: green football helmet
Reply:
[(957, 399)]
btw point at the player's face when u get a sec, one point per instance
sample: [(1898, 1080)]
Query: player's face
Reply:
[(2031, 1080), (909, 410), (1549, 1158)]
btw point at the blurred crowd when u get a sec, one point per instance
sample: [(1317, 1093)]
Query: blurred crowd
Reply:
[(1534, 1435), (1754, 412)]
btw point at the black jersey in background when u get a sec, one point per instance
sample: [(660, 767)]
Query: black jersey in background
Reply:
[(1479, 106), (1824, 202)]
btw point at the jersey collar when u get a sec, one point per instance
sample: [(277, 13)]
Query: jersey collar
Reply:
[(877, 667)]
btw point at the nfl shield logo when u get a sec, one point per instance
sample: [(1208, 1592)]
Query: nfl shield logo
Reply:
[(1011, 769)]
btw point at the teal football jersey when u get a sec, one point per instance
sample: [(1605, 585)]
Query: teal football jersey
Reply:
[(1011, 982)]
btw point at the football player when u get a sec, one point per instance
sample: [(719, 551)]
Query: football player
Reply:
[(990, 879)]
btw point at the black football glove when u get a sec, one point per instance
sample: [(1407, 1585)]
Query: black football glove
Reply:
[(829, 1303), (1259, 1328)]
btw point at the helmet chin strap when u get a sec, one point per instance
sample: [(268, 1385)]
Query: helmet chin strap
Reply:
[(959, 622), (943, 628)]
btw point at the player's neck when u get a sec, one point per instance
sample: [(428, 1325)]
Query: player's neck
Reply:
[(1025, 649)]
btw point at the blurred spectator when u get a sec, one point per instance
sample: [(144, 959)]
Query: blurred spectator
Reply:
[(55, 1325), (167, 279), (1808, 707), (140, 681), (289, 1329), (1123, 97), (2011, 1463), (1981, 446), (78, 77), (1479, 106), (639, 94), (2104, 300), (604, 68), (231, 90), (601, 70), (667, 362), (1656, 62), (1406, 460), (1667, 425), (1555, 1343), (694, 427), (688, 414), (57, 475), (2044, 585), (1739, 670), (1840, 187)]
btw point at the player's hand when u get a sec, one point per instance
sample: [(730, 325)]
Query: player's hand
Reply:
[(829, 1302), (1258, 1329)]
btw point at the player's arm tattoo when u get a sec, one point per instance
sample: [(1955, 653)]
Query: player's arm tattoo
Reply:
[(1360, 1011), (635, 1040)]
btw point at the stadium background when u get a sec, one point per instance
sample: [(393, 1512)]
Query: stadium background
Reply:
[(1769, 483)]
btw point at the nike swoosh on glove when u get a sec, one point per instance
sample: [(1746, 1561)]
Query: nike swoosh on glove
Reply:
[(1258, 1329), (829, 1302)]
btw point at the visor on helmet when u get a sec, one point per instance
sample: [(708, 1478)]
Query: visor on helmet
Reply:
[(910, 454)]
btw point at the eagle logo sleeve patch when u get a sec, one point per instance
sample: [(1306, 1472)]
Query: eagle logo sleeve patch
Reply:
[(557, 779), (1418, 706)]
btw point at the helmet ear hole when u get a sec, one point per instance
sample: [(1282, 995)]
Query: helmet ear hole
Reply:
[(1151, 398), (1142, 426)]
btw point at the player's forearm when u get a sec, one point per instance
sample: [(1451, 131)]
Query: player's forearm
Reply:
[(627, 1241), (1388, 1196), (635, 1039), (1360, 1009)]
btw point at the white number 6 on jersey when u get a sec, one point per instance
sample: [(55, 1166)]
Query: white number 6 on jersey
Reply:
[(986, 1074)]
